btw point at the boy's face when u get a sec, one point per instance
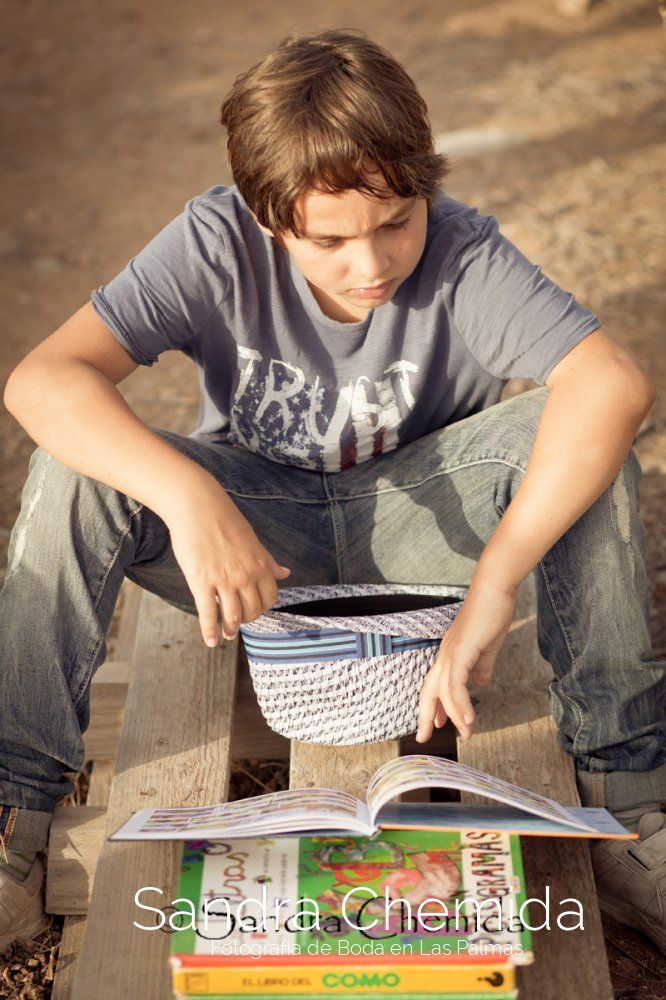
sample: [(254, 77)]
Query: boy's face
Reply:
[(356, 250)]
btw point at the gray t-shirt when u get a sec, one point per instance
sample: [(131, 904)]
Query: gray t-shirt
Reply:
[(279, 377)]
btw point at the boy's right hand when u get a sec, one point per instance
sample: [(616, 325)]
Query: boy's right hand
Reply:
[(226, 567)]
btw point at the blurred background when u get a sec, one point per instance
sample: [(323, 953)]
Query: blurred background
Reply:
[(552, 112)]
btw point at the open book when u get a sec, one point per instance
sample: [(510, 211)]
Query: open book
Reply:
[(305, 810)]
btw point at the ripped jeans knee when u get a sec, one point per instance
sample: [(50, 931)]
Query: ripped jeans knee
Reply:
[(32, 496), (624, 495)]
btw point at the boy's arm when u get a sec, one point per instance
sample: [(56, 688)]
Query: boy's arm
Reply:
[(64, 394), (599, 396)]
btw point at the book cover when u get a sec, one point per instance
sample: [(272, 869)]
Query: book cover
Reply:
[(510, 995), (398, 902), (425, 980)]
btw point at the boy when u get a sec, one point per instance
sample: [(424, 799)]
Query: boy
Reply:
[(353, 328)]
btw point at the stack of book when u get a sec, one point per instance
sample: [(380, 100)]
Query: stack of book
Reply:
[(406, 913), (313, 893)]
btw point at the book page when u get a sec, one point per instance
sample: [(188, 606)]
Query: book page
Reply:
[(279, 812), (462, 815), (424, 771)]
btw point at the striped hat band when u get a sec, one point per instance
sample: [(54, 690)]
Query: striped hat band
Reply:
[(325, 645)]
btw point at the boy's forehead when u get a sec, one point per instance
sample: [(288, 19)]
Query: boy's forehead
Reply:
[(320, 213)]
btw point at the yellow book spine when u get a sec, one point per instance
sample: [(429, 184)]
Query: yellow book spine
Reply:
[(294, 980)]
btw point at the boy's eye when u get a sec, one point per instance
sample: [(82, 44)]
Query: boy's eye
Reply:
[(325, 244), (329, 244)]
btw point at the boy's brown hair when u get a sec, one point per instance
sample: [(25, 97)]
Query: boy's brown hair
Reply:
[(315, 113)]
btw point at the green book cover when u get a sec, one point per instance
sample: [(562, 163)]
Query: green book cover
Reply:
[(453, 895)]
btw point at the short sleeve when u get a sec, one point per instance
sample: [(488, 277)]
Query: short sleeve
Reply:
[(166, 295), (514, 320)]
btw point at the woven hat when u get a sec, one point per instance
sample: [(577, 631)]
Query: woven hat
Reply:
[(344, 664)]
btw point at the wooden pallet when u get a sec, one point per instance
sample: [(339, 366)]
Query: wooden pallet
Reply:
[(169, 716)]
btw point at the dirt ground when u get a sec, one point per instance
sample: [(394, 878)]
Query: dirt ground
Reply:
[(110, 124)]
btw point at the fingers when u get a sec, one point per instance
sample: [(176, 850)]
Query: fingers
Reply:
[(229, 573), (241, 605), (253, 606), (238, 606), (232, 612), (279, 572), (206, 606), (440, 716), (428, 704), (268, 593), (444, 694), (458, 704), (244, 604), (453, 690)]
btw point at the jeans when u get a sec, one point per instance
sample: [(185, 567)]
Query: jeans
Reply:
[(76, 540)]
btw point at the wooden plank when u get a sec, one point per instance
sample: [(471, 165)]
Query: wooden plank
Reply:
[(68, 952), (349, 769), (108, 689), (100, 783), (75, 840), (131, 597), (174, 750), (98, 795), (77, 833), (74, 926), (515, 739), (108, 694)]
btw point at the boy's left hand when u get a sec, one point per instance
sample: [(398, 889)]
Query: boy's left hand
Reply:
[(469, 649)]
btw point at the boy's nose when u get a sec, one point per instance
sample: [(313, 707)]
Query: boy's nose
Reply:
[(370, 266)]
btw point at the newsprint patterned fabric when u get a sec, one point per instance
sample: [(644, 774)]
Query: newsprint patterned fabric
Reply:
[(344, 679)]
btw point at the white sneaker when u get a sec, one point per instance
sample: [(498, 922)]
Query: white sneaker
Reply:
[(631, 877), (22, 914)]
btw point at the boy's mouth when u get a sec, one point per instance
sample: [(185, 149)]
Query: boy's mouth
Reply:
[(373, 292)]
